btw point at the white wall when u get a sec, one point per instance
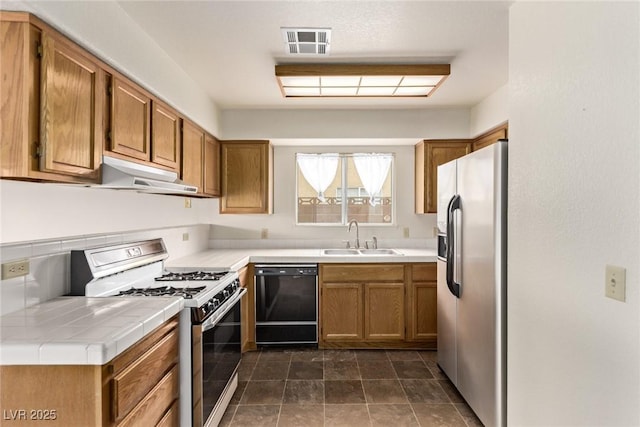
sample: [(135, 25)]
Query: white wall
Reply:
[(301, 123), (35, 211), (106, 30), (490, 112), (281, 225), (574, 93)]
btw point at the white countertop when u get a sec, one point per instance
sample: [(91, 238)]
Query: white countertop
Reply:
[(92, 331), (235, 259), (80, 330)]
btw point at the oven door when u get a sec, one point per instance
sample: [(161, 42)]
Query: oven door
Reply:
[(216, 355)]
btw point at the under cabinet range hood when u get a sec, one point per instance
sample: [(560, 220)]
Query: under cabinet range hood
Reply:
[(124, 175)]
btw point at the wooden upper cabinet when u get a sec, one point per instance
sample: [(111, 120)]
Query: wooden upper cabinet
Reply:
[(51, 104), (211, 166), (129, 133), (490, 137), (166, 137), (192, 154), (429, 155), (246, 177), (70, 116)]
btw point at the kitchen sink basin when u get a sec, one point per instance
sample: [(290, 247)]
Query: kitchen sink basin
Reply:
[(340, 252), (358, 252), (378, 252)]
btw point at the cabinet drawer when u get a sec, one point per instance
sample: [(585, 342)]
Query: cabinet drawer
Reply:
[(154, 405), (424, 272), (172, 417), (134, 382), (362, 272)]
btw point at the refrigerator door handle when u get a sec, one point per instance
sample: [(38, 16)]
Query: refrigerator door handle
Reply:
[(454, 204)]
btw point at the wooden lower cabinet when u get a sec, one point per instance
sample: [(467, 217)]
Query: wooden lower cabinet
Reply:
[(341, 309), (248, 309), (138, 387), (422, 308), (377, 306), (384, 311)]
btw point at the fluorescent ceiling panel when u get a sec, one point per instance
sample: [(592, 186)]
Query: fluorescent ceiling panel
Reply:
[(339, 91), (376, 91), (380, 80), (302, 91), (421, 80), (340, 81), (348, 80), (413, 91)]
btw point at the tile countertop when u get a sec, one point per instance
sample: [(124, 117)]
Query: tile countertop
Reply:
[(80, 330), (235, 259)]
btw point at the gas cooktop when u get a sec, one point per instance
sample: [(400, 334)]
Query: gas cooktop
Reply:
[(192, 275), (185, 292)]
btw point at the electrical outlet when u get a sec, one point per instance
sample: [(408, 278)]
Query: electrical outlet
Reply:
[(264, 233), (405, 232), (615, 282), (185, 237), (187, 202), (15, 269)]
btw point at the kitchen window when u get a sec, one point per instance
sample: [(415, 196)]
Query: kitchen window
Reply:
[(334, 188)]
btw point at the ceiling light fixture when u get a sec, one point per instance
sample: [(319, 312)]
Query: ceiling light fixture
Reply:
[(360, 80)]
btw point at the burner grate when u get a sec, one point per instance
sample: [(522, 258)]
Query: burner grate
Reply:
[(186, 293), (192, 275)]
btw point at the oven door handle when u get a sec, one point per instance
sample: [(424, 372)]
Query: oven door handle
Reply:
[(213, 320)]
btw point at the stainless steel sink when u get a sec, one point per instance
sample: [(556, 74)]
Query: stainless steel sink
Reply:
[(378, 252), (358, 252), (340, 252)]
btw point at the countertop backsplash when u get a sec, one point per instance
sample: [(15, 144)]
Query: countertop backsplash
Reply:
[(315, 243), (48, 276)]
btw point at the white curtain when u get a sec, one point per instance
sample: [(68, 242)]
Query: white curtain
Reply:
[(373, 170), (319, 170)]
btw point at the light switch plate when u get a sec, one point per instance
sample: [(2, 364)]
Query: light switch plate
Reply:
[(615, 282)]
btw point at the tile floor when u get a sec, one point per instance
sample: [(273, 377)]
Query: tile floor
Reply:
[(309, 387)]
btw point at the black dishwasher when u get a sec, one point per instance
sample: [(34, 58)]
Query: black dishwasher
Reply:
[(286, 304)]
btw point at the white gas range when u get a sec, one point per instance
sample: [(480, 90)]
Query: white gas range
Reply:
[(209, 324)]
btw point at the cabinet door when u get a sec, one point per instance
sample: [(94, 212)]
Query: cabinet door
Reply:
[(430, 155), (341, 311), (211, 166), (424, 315), (384, 311), (165, 136), (247, 309), (246, 177), (422, 310), (130, 119), (192, 154), (70, 126), (490, 137)]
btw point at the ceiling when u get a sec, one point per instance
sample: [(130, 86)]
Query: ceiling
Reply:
[(230, 48)]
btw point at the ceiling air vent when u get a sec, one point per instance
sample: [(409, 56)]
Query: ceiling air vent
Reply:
[(307, 41)]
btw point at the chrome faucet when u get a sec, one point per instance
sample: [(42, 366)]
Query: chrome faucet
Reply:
[(353, 221)]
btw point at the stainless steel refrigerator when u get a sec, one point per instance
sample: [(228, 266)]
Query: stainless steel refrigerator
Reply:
[(472, 287)]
